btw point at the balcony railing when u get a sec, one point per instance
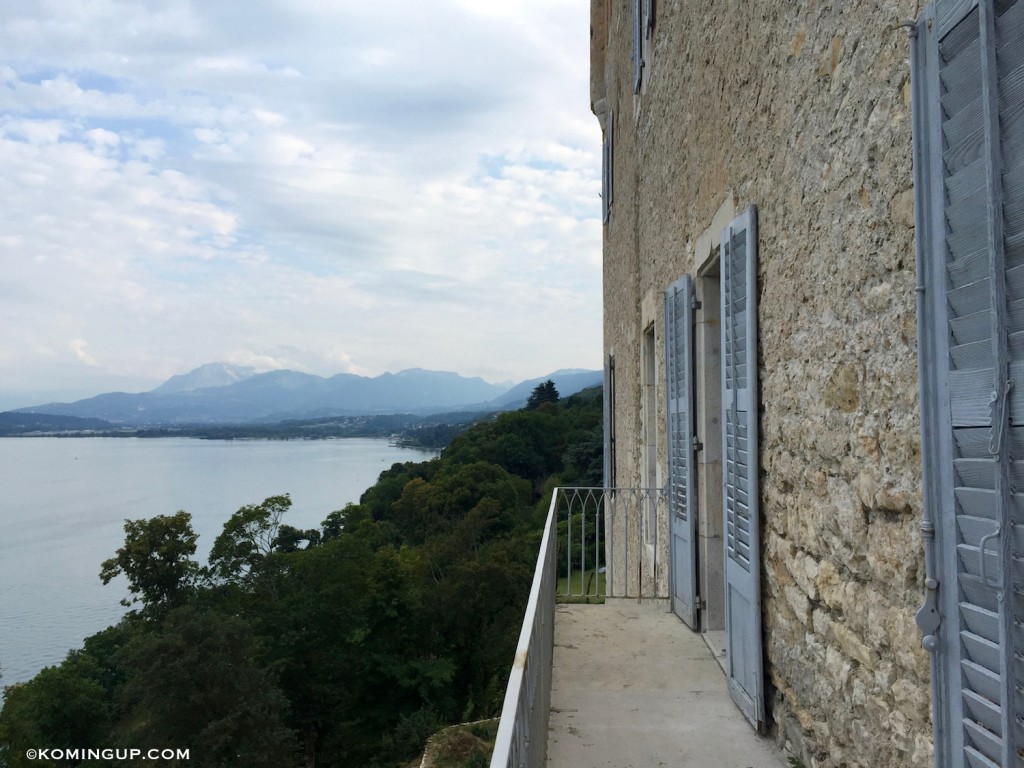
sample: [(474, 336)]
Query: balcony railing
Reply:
[(597, 542), (523, 730), (611, 542)]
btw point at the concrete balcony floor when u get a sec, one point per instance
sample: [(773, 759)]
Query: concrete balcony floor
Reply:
[(633, 687)]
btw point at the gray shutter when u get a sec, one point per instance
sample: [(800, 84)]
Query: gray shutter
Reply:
[(638, 45), (744, 664), (679, 389), (969, 181), (607, 159), (609, 417)]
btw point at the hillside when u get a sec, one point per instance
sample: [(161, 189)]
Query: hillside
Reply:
[(343, 645)]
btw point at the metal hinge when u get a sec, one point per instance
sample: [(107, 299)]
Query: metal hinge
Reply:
[(928, 617), (694, 304), (697, 446)]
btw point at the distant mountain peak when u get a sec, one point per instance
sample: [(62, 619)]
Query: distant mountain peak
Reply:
[(206, 377), (219, 393)]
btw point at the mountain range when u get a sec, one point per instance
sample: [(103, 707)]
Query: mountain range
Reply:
[(218, 393)]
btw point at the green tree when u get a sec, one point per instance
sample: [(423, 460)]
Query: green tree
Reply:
[(196, 682), (249, 536), (63, 706), (542, 393), (156, 559)]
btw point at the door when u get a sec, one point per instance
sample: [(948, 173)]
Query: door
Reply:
[(968, 82), (679, 303), (744, 664)]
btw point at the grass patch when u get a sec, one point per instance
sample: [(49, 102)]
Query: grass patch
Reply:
[(585, 586), (463, 746)]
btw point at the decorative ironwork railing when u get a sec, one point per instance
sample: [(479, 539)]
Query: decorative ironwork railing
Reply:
[(611, 542)]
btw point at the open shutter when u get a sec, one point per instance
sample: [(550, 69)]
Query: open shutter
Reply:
[(744, 664), (679, 389), (607, 158), (969, 181), (638, 45), (609, 422)]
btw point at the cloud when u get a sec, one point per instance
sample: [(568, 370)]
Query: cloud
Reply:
[(328, 186)]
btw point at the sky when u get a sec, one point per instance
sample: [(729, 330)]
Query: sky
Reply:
[(327, 186)]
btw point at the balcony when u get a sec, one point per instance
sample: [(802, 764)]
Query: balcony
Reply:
[(606, 675)]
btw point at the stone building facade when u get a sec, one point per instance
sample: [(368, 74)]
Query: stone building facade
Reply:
[(793, 125)]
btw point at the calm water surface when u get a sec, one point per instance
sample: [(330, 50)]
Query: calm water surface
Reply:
[(63, 503)]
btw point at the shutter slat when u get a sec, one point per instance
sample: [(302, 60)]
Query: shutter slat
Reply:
[(972, 356), (978, 593), (977, 760), (979, 502), (951, 30), (970, 393), (966, 182), (960, 77), (981, 622), (982, 710), (982, 680), (977, 326), (971, 298), (986, 742), (972, 529), (970, 558), (974, 297), (968, 249), (965, 137), (981, 650)]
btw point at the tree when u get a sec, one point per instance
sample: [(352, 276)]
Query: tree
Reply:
[(62, 707), (248, 537), (156, 559), (196, 682), (542, 393)]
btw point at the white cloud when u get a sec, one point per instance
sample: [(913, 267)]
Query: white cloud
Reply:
[(327, 186)]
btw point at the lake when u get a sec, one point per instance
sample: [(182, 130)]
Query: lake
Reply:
[(63, 503)]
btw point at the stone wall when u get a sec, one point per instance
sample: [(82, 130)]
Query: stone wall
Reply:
[(802, 108)]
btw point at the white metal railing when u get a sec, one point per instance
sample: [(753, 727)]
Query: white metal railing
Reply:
[(610, 542), (523, 731), (608, 539)]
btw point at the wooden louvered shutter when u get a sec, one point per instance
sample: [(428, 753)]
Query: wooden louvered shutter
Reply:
[(969, 181), (679, 389), (744, 664), (609, 422), (607, 159)]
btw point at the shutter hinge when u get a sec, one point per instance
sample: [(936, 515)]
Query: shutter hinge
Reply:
[(697, 446), (928, 618), (694, 304)]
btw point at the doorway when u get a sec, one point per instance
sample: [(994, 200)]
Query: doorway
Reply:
[(708, 465)]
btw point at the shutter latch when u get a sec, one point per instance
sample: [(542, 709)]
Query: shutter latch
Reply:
[(998, 417)]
